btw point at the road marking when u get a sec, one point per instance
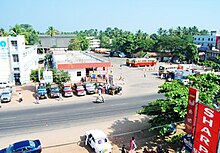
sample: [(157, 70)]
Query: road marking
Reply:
[(43, 114), (8, 118), (120, 104)]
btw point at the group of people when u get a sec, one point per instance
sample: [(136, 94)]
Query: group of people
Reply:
[(133, 147)]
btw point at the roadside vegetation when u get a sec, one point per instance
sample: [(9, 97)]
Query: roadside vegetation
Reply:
[(172, 109)]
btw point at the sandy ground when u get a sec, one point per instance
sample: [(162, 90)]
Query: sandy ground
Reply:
[(120, 130)]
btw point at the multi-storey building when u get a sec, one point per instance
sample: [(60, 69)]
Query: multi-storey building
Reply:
[(206, 41), (16, 59)]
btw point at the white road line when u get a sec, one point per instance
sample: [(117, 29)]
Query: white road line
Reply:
[(43, 114), (8, 118), (119, 104)]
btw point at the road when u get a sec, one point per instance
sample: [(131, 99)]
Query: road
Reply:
[(18, 122)]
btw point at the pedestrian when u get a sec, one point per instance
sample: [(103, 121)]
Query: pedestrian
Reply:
[(133, 145), (123, 149), (60, 96), (159, 149), (37, 99), (20, 97), (161, 76)]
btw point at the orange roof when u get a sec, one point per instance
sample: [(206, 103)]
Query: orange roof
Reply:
[(83, 65)]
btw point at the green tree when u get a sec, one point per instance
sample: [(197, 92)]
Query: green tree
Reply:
[(173, 107), (34, 75), (52, 31), (74, 44), (3, 33), (60, 77), (191, 53), (31, 36)]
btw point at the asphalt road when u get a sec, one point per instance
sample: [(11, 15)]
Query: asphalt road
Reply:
[(31, 120)]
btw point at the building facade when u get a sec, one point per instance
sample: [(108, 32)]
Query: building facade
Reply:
[(17, 60), (81, 65), (207, 42)]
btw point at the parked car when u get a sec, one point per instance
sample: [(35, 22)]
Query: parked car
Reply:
[(54, 92), (42, 92), (8, 88), (67, 90), (98, 141), (78, 89), (89, 87), (6, 96), (117, 54), (4, 84), (26, 146)]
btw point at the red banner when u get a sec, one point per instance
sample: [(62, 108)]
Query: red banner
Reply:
[(207, 130), (191, 110)]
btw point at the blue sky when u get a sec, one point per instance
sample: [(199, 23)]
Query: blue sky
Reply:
[(132, 15)]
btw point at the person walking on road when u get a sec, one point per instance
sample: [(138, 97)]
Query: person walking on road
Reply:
[(37, 99), (20, 97), (133, 145)]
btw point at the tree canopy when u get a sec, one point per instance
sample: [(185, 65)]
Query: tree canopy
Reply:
[(173, 107), (31, 36)]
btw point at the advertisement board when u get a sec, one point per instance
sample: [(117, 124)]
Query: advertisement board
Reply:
[(188, 142), (207, 130), (191, 110), (48, 76)]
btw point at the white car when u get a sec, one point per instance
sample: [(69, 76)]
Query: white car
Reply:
[(98, 141)]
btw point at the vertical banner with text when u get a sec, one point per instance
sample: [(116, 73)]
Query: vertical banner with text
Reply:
[(191, 110), (207, 130)]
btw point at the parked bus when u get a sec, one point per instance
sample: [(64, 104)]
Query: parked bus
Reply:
[(139, 62)]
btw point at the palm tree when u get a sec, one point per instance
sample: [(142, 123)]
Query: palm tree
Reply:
[(16, 30), (3, 33), (52, 31)]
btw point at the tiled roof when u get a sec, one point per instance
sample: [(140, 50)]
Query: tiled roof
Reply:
[(83, 65)]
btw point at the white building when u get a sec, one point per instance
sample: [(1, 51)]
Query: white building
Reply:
[(16, 59), (93, 43), (206, 42), (81, 64)]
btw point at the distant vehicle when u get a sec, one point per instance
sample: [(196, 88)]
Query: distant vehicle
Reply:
[(6, 96), (26, 146), (117, 54), (42, 91), (78, 89), (141, 62), (89, 87), (67, 90), (8, 88), (54, 92), (98, 141), (165, 69), (4, 84)]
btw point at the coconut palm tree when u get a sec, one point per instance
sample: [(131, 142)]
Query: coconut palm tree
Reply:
[(3, 33), (52, 31)]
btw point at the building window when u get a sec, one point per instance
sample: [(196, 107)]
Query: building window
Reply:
[(15, 58), (198, 38), (211, 39), (208, 39), (14, 43), (103, 68), (202, 38), (202, 44), (194, 38), (79, 73), (16, 69)]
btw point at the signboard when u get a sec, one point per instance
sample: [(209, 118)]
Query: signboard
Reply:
[(207, 130), (4, 55), (178, 74), (191, 110), (188, 142), (48, 76)]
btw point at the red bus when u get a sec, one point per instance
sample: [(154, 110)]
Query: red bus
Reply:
[(141, 62)]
